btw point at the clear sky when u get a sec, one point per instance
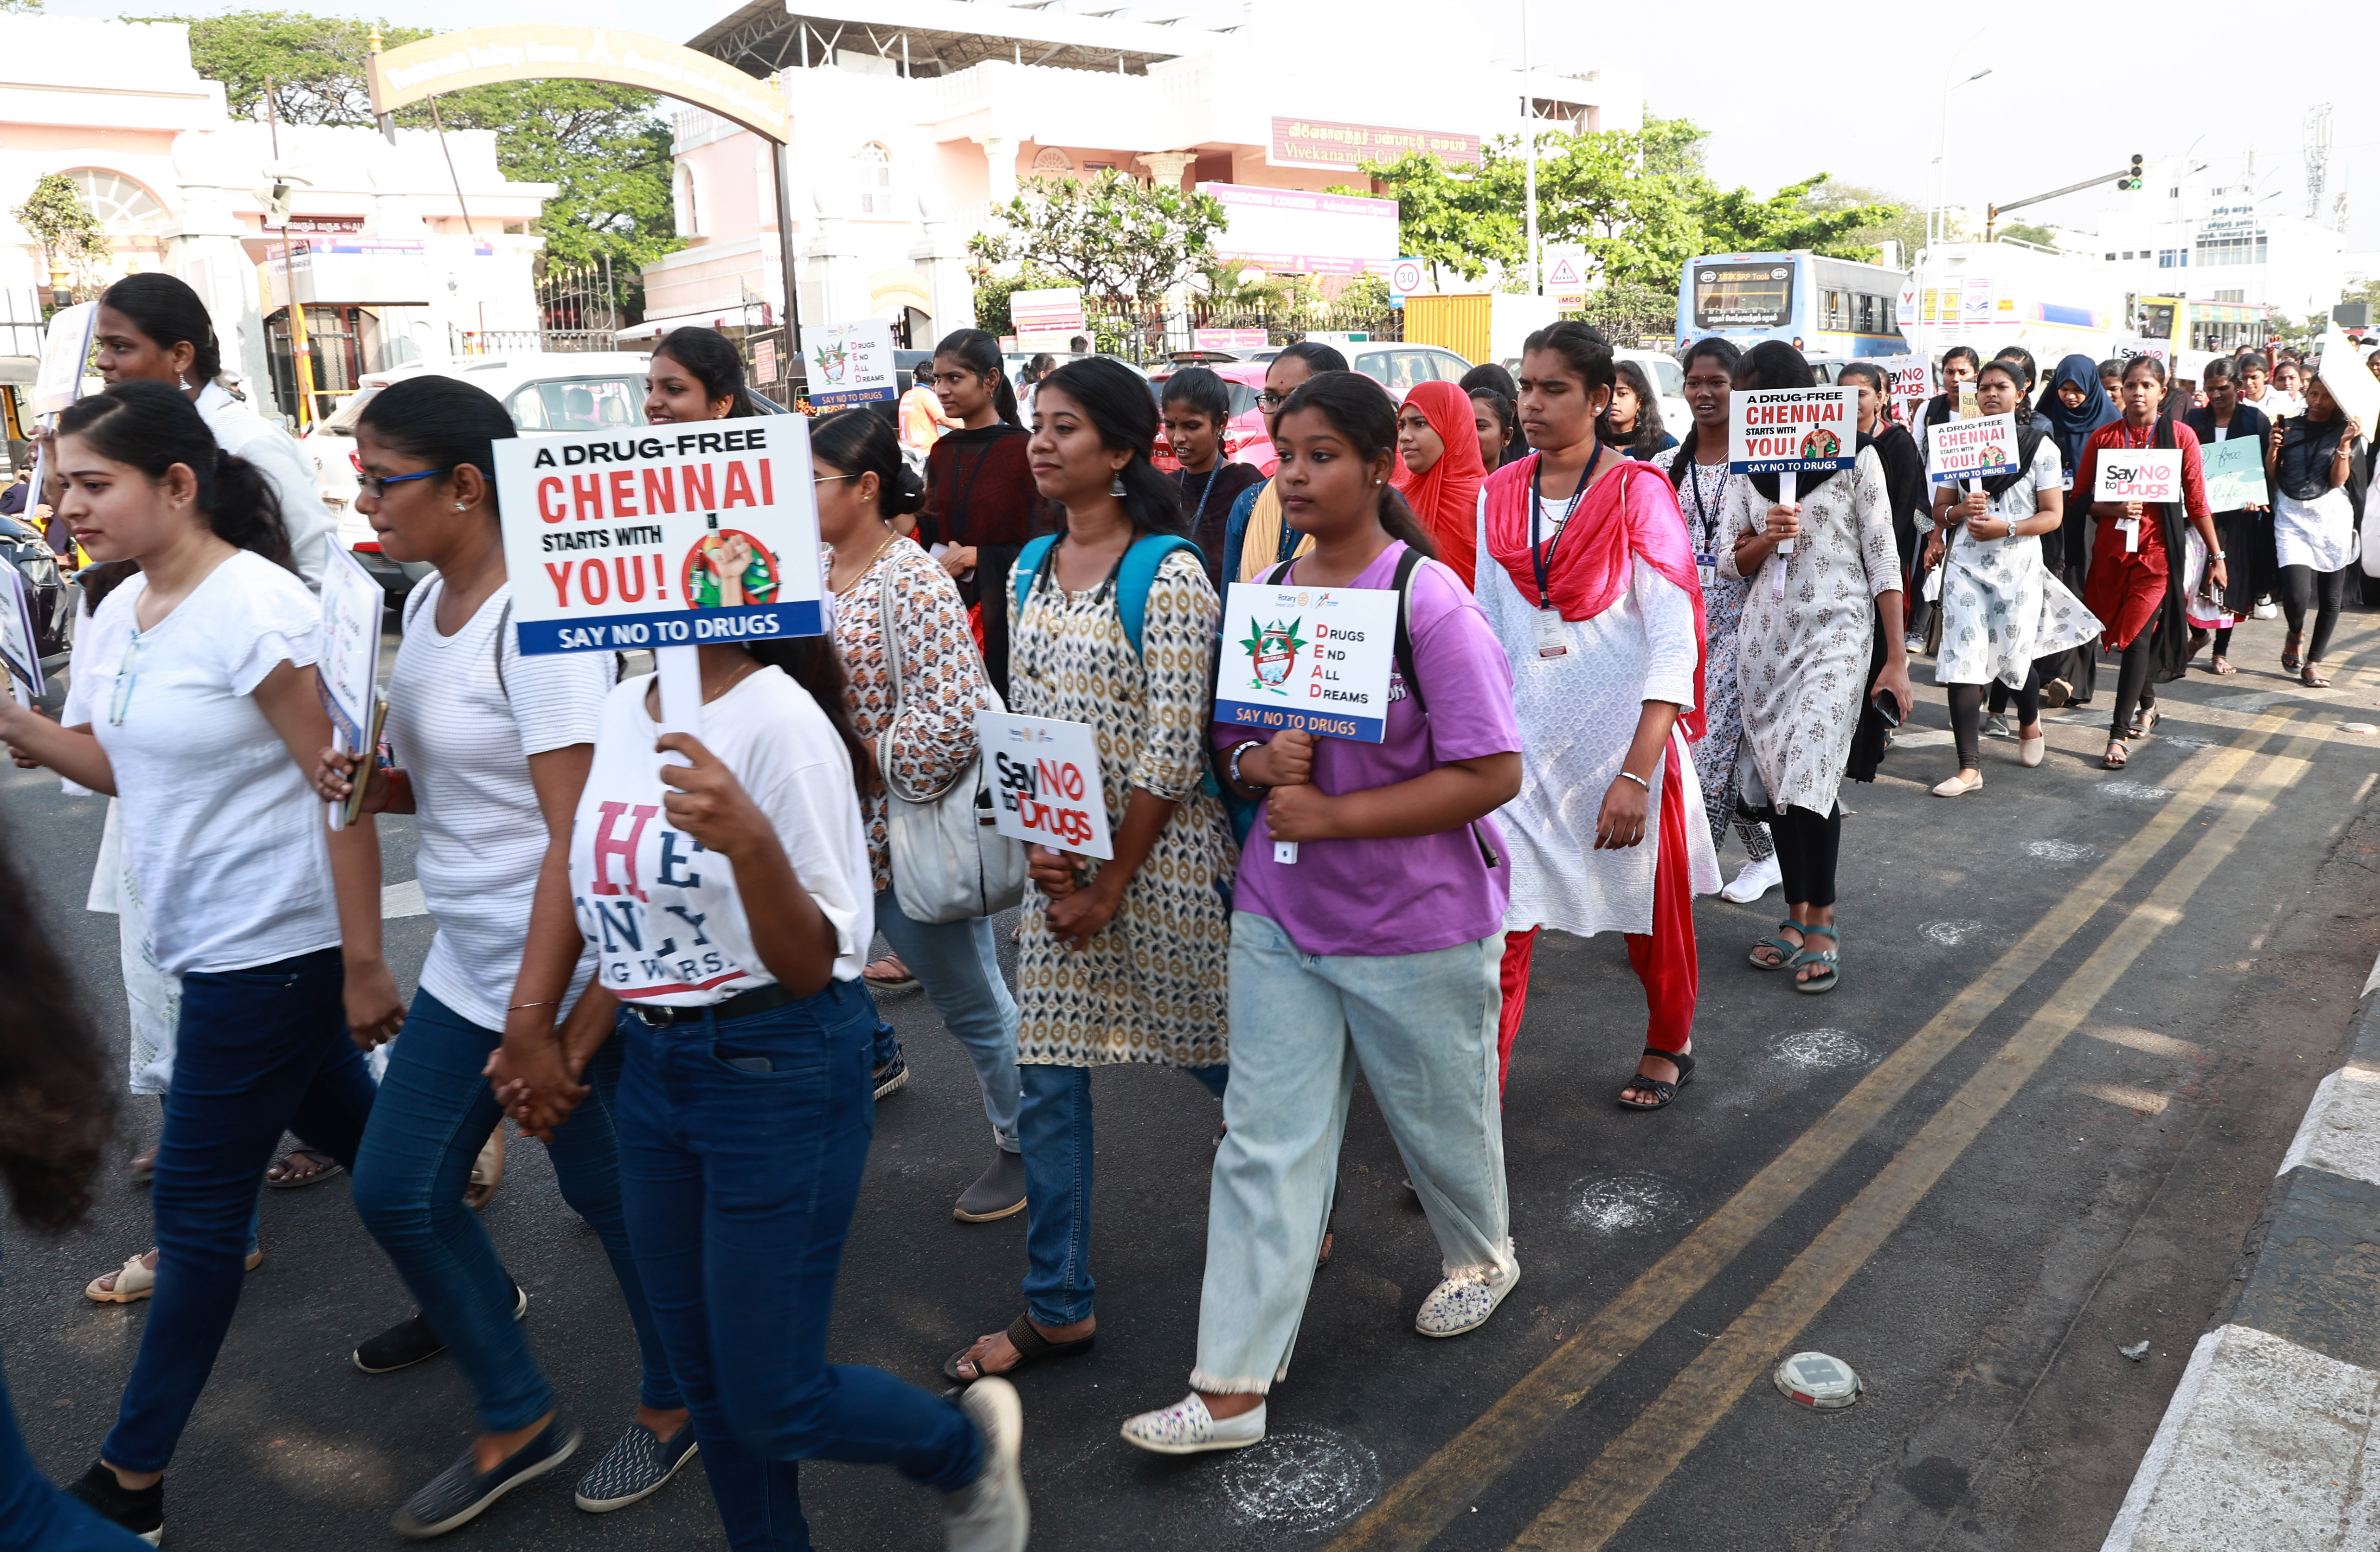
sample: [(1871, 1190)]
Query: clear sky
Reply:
[(1855, 90)]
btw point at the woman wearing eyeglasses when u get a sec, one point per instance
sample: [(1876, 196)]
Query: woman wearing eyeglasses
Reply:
[(272, 923)]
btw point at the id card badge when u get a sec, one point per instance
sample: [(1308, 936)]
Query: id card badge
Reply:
[(1706, 567), (1552, 642), (2067, 482), (2130, 528)]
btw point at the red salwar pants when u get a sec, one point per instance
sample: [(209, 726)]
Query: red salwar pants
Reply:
[(1663, 959)]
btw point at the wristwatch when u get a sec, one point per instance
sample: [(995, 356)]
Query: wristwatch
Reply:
[(1237, 780)]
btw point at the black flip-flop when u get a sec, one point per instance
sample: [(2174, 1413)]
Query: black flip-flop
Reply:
[(1667, 1090), (1031, 1346)]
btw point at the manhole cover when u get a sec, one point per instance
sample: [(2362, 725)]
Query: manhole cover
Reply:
[(1301, 1479), (1949, 934), (1620, 1204), (1816, 1380), (1821, 1050)]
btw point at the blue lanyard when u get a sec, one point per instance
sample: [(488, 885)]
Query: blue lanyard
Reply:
[(1539, 551)]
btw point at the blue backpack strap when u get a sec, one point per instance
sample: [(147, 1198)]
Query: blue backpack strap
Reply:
[(1235, 529), (1026, 569), (1136, 573)]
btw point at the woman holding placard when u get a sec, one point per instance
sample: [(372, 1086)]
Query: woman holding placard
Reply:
[(2246, 529), (1120, 960), (1588, 578), (2136, 580), (271, 921), (492, 748), (916, 686), (1811, 664), (1324, 984), (2000, 607), (2320, 469), (2076, 404), (1699, 473)]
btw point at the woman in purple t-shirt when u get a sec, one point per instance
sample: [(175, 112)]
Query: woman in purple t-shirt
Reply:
[(1377, 948)]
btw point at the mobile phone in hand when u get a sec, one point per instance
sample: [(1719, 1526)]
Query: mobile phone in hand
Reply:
[(1887, 707)]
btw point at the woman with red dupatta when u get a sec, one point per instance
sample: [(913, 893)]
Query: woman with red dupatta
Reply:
[(1439, 471), (1586, 577)]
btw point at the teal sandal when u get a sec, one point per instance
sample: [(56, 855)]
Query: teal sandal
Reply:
[(1791, 951), (1825, 960)]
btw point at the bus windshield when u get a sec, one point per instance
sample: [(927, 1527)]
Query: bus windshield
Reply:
[(2157, 319), (1744, 296)]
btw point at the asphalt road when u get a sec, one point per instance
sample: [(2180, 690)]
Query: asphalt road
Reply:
[(2082, 1013)]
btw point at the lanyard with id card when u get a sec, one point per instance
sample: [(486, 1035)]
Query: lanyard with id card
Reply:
[(1705, 561), (1552, 640)]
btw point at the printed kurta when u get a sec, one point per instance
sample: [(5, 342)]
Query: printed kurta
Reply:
[(943, 681), (2000, 607), (1150, 987), (1802, 661)]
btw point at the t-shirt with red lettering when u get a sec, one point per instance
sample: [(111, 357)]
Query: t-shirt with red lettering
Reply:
[(661, 913)]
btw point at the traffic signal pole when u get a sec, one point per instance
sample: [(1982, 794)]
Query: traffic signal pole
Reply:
[(2129, 177)]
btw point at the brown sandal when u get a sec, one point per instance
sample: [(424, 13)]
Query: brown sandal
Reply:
[(1031, 1347)]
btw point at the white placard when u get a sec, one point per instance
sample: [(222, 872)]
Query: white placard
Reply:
[(345, 674), (1908, 382), (1792, 430), (850, 364), (1045, 781), (1973, 449), (2350, 381), (64, 348), (2139, 474), (661, 535), (20, 653), (1314, 660), (2128, 349), (2190, 365)]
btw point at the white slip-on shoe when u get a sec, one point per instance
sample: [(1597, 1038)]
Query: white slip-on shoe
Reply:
[(2028, 751), (990, 1514), (1756, 880), (1956, 785), (1464, 1303), (1187, 1428)]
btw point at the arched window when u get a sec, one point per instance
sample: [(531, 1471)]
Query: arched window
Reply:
[(874, 164), (123, 207), (689, 210), (1049, 162)]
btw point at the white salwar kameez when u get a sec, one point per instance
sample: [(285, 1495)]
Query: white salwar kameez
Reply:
[(2000, 607), (1578, 715)]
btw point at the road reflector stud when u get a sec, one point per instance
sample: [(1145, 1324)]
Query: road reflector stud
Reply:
[(1815, 1380)]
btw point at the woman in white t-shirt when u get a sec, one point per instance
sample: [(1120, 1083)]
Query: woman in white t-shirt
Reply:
[(490, 749), (729, 903), (271, 921)]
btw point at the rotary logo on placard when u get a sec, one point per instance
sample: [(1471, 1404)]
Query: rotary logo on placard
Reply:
[(1272, 651)]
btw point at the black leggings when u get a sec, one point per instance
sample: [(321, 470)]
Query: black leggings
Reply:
[(2302, 588), (1807, 846), (1967, 715), (2132, 687)]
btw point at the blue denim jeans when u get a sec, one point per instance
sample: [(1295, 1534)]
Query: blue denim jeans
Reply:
[(741, 1147), (33, 1514), (1055, 1123), (259, 1052), (434, 1111), (1421, 1029), (957, 964)]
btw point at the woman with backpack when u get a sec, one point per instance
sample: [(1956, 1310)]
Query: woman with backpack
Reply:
[(1376, 952), (1122, 960), (2001, 608), (915, 684)]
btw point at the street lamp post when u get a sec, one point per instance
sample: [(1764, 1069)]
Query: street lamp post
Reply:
[(1939, 228), (1529, 128)]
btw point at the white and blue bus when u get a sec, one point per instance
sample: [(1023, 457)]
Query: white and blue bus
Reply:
[(1827, 307)]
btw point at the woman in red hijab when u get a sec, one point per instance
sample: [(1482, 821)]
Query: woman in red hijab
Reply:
[(1439, 471)]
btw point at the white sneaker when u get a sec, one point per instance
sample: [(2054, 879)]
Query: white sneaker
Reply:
[(2269, 611), (1998, 727), (1463, 1303), (1187, 1428), (1756, 880), (1915, 645), (991, 1513)]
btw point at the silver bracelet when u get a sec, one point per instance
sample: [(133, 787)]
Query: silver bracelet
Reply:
[(1638, 779), (1237, 780)]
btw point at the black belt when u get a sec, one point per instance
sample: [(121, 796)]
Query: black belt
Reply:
[(742, 1005)]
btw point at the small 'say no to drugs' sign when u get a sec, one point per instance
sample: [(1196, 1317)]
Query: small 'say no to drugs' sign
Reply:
[(1044, 783)]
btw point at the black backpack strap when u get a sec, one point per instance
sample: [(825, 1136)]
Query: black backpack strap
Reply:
[(1407, 563)]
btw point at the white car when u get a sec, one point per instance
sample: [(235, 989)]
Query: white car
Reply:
[(543, 391)]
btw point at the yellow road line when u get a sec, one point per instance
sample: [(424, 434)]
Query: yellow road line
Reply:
[(1586, 1513), (1410, 1515)]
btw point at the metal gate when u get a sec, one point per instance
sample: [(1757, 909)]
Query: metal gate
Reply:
[(577, 310)]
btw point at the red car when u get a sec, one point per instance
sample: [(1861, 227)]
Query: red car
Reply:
[(1244, 441)]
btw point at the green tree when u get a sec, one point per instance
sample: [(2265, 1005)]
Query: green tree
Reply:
[(1905, 225), (992, 291), (607, 146), (2024, 231), (1122, 240), (1740, 222), (71, 237)]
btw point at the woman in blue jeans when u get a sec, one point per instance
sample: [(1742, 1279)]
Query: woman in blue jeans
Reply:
[(271, 921), (728, 899), (490, 749), (914, 692)]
